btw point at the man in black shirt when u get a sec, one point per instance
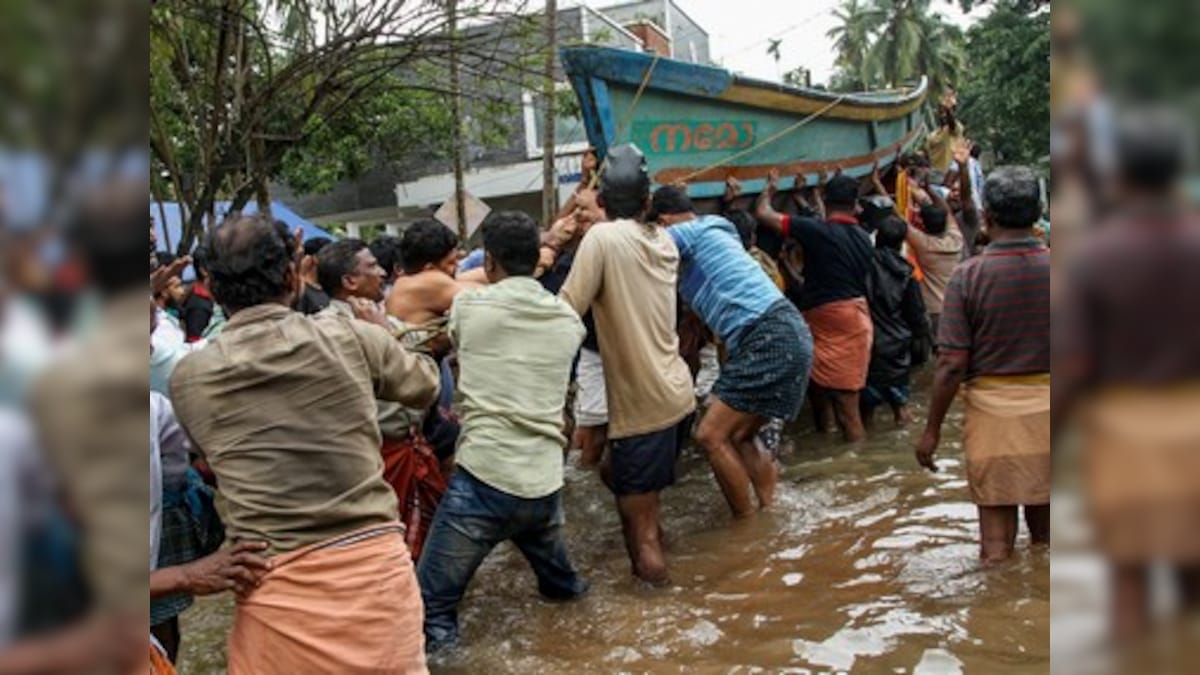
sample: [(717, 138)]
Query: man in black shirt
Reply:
[(838, 261), (197, 309)]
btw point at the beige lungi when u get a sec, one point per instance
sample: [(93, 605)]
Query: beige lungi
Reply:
[(1006, 434)]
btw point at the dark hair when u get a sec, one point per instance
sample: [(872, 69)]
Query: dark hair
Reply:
[(624, 183), (313, 246), (425, 242), (166, 258), (386, 249), (200, 256), (1151, 148), (671, 200), (841, 192), (336, 261), (108, 232), (745, 224), (1013, 198), (250, 260), (976, 150), (933, 218), (890, 231), (513, 240)]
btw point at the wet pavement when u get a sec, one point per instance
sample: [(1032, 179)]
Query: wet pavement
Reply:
[(865, 564)]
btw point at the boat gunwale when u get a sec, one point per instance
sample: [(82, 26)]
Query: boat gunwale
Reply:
[(902, 103)]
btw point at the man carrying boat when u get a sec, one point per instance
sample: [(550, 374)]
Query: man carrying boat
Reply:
[(283, 409), (838, 261), (994, 339), (625, 271), (769, 347), (509, 478)]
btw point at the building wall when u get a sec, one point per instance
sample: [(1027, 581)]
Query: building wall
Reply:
[(505, 41)]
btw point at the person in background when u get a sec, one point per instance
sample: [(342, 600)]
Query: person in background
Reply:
[(769, 347), (197, 310), (350, 275), (282, 408), (626, 271), (508, 481), (938, 247), (994, 338), (429, 250), (167, 341), (838, 262), (940, 141), (170, 299), (386, 249), (312, 299), (1126, 365), (902, 339)]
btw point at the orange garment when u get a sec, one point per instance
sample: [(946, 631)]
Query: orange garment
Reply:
[(413, 471), (842, 334), (159, 664), (1006, 434), (348, 605), (904, 206)]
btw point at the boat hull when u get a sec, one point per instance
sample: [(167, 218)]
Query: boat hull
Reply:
[(701, 124)]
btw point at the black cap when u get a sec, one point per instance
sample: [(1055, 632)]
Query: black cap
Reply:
[(625, 171), (841, 190)]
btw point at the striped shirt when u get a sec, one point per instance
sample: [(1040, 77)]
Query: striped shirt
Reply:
[(997, 308), (718, 278)]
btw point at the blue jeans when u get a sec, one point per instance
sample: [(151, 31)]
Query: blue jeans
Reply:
[(471, 520)]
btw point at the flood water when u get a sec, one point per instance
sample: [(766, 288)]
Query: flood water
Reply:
[(865, 564)]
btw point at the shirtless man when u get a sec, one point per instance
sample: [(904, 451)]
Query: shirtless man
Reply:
[(427, 289)]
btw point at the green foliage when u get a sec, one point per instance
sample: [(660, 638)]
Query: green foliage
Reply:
[(1004, 100), (395, 122), (890, 43)]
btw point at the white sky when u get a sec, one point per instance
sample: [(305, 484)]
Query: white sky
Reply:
[(739, 31)]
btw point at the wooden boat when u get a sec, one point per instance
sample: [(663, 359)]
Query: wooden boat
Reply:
[(701, 124)]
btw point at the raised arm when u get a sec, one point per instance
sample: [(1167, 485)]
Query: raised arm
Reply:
[(764, 211)]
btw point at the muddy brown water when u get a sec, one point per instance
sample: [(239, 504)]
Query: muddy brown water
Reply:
[(865, 564)]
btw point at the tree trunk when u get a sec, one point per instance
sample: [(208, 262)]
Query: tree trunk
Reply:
[(549, 96), (456, 112)]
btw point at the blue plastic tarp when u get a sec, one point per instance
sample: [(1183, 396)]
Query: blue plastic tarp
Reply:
[(168, 238)]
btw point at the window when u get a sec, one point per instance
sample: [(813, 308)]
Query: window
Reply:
[(569, 132)]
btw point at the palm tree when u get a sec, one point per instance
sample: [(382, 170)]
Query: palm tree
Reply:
[(941, 55), (893, 55), (852, 40)]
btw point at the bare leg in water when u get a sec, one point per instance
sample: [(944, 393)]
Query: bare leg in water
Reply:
[(822, 407), (1130, 601), (641, 528), (997, 532), (1037, 519), (716, 435), (763, 471), (849, 418)]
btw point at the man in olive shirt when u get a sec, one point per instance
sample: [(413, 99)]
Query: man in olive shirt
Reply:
[(283, 409), (626, 271), (515, 345)]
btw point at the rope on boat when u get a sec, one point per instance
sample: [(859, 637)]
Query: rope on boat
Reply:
[(627, 119), (766, 141)]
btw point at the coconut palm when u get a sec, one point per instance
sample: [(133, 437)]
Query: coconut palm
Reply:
[(852, 40)]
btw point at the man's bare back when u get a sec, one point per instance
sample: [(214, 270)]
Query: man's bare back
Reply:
[(424, 296)]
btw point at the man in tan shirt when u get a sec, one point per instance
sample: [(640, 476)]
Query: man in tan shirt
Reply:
[(626, 273), (282, 407)]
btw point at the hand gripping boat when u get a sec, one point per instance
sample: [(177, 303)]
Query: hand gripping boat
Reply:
[(700, 124)]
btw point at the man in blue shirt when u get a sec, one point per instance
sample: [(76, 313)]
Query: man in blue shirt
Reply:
[(768, 343)]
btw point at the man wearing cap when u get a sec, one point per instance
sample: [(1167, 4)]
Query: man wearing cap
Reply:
[(626, 272), (837, 265), (769, 346)]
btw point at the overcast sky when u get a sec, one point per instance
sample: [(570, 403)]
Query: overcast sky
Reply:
[(739, 31)]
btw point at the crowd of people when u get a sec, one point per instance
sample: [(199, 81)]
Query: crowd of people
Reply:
[(363, 423)]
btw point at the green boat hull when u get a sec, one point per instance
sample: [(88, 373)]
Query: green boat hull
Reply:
[(700, 124)]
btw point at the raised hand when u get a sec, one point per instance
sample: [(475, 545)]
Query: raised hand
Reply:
[(733, 188), (961, 152), (160, 279), (773, 179), (371, 312)]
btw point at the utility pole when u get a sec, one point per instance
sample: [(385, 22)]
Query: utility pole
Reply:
[(456, 111), (549, 96)]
